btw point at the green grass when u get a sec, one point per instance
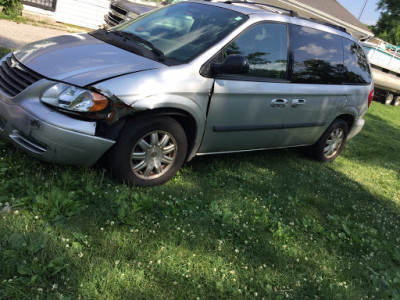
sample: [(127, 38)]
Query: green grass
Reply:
[(4, 51), (270, 224), (15, 18), (44, 23)]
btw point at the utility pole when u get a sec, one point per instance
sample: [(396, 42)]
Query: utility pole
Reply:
[(365, 4)]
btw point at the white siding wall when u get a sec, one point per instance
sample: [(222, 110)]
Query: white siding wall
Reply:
[(86, 13)]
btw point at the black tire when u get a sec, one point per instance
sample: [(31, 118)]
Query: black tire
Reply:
[(331, 143), (388, 99), (396, 101), (148, 151)]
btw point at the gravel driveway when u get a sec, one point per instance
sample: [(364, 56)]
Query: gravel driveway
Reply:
[(14, 35)]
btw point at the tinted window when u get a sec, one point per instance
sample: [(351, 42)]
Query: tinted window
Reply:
[(265, 46), (356, 64), (318, 56)]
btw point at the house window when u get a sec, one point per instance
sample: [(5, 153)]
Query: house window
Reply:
[(44, 4)]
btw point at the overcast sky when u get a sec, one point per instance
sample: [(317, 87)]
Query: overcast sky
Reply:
[(369, 16)]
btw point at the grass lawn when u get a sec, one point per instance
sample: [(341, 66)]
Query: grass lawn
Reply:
[(269, 224), (4, 51)]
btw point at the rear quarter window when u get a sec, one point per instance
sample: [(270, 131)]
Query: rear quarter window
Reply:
[(318, 56), (356, 69), (325, 58)]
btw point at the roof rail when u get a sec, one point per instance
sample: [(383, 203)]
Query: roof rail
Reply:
[(289, 12), (327, 24), (267, 6)]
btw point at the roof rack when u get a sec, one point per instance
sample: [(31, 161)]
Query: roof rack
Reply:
[(269, 7), (278, 9), (327, 24), (290, 12)]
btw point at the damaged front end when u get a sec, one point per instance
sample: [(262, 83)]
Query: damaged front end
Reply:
[(49, 109), (48, 134), (91, 103), (45, 131), (87, 103)]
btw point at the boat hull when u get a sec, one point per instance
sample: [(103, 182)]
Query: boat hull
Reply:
[(385, 68), (387, 81)]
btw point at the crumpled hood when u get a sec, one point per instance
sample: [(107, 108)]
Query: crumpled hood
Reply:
[(80, 59)]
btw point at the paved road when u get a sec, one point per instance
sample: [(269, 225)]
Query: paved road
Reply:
[(14, 35)]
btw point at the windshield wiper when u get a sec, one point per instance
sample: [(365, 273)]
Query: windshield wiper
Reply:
[(132, 37)]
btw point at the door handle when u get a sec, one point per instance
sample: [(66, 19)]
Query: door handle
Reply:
[(279, 102), (298, 102)]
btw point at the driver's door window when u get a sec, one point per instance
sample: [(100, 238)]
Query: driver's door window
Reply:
[(265, 46)]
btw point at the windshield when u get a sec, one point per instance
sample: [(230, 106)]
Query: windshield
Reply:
[(182, 31)]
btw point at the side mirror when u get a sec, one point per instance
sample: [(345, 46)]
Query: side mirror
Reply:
[(233, 64)]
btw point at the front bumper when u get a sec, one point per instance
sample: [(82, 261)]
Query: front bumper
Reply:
[(47, 134)]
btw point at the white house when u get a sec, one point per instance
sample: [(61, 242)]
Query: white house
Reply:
[(85, 13), (90, 13)]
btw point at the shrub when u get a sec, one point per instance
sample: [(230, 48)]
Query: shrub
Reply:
[(12, 8)]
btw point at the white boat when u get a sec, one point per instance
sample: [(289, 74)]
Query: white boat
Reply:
[(385, 62)]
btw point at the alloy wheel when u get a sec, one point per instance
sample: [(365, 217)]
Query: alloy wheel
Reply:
[(333, 143), (153, 155)]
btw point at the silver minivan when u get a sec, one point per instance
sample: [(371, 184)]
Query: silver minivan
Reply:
[(188, 79)]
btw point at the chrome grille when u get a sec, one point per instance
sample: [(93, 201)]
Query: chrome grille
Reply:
[(113, 20), (119, 9), (15, 77)]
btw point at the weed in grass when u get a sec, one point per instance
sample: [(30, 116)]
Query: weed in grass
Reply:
[(56, 205), (129, 203), (24, 257)]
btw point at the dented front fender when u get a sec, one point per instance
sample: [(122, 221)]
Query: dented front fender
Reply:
[(176, 88)]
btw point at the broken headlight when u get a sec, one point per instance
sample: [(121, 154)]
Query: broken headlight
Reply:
[(74, 99)]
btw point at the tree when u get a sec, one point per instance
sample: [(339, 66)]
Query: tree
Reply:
[(392, 6), (388, 25)]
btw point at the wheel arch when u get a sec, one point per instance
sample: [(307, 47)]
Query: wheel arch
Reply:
[(185, 119), (348, 118), (190, 112)]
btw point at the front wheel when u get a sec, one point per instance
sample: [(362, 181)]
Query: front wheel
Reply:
[(331, 143), (148, 151)]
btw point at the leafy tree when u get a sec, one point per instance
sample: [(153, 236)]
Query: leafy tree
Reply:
[(388, 25), (392, 6), (12, 8)]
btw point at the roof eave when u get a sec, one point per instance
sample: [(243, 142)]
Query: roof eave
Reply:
[(318, 14)]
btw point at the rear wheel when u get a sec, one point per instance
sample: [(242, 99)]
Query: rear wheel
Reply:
[(331, 143), (148, 152)]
